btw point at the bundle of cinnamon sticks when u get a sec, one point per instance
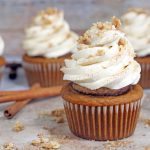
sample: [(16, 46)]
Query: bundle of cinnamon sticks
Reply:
[(21, 98)]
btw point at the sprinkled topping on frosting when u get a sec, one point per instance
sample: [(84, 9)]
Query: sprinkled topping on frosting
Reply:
[(104, 58), (116, 22)]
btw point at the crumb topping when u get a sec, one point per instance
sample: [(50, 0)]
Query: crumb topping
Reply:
[(9, 146), (98, 30), (122, 42), (18, 127), (85, 39), (49, 11), (116, 22)]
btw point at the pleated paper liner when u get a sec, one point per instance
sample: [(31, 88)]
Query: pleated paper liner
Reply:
[(2, 65), (44, 71), (102, 120), (145, 71)]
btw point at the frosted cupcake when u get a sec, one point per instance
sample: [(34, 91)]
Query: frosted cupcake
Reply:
[(102, 100), (136, 25), (2, 60), (48, 41)]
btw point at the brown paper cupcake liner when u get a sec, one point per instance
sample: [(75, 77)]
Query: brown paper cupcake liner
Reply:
[(47, 74), (145, 71), (145, 75), (102, 122)]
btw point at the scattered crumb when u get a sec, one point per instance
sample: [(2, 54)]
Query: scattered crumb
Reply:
[(145, 120), (60, 120), (147, 147), (58, 115), (45, 143), (116, 144), (58, 112), (8, 146), (51, 145), (18, 127)]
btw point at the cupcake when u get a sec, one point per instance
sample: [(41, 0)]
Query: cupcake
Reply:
[(136, 25), (48, 41), (102, 99), (2, 60)]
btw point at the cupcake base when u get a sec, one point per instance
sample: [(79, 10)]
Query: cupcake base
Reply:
[(45, 71), (145, 73), (102, 117), (2, 64)]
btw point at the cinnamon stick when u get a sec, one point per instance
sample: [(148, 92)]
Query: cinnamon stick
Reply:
[(11, 110), (31, 94)]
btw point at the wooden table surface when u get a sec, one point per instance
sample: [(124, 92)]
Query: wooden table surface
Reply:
[(36, 124)]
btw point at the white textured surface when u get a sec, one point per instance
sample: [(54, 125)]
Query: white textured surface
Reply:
[(34, 124)]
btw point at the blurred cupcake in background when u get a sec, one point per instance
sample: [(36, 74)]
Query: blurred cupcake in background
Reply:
[(136, 25), (48, 41), (2, 60)]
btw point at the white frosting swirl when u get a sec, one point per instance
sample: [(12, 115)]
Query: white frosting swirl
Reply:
[(104, 58), (1, 46), (49, 35), (136, 24)]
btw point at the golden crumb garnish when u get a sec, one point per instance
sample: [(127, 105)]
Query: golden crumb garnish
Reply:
[(85, 39), (9, 146), (100, 52), (116, 144), (146, 122), (49, 11), (103, 26), (36, 142), (18, 127), (138, 10), (116, 22), (58, 112), (51, 145), (100, 26), (121, 42), (45, 143), (60, 119)]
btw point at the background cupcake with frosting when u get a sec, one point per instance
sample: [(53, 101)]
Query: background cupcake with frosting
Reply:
[(2, 60), (48, 41), (136, 25)]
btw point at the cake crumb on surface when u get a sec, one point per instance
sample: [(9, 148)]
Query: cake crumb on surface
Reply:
[(18, 127), (9, 146), (110, 145), (45, 143), (58, 115)]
